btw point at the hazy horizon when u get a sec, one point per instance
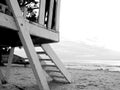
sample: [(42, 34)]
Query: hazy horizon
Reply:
[(95, 23), (69, 51)]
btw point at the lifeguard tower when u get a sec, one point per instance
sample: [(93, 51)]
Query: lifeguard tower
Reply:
[(16, 30)]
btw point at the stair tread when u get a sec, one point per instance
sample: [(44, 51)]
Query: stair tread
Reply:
[(41, 52), (56, 76), (46, 59), (52, 71), (45, 65), (60, 81)]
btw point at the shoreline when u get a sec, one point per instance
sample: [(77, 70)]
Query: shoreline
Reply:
[(93, 66)]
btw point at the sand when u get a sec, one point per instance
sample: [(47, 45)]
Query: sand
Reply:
[(22, 78)]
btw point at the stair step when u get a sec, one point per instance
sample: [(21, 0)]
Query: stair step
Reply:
[(56, 76), (60, 81), (46, 65), (41, 52), (45, 59), (49, 71)]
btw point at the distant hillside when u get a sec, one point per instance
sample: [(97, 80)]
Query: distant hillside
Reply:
[(68, 50), (72, 51)]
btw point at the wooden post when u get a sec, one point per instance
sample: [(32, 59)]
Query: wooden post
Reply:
[(57, 15), (42, 12), (24, 12), (10, 58), (2, 78), (28, 45), (50, 14)]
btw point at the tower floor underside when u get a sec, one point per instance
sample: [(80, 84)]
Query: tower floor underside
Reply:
[(9, 32)]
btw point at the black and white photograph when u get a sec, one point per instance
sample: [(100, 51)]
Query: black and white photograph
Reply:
[(59, 45)]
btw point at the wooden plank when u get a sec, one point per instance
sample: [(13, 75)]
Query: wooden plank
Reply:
[(7, 21), (28, 45), (42, 12), (46, 65), (10, 58), (50, 14), (57, 19), (56, 61), (41, 52), (42, 32), (49, 71), (24, 12), (56, 76), (35, 30), (45, 59)]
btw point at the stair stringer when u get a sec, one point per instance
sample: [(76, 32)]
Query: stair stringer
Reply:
[(55, 59)]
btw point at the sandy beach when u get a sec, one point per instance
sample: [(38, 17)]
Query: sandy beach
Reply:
[(22, 78)]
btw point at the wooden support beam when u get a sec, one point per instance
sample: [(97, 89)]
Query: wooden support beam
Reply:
[(42, 12), (24, 12), (10, 58), (57, 15), (56, 61), (28, 45), (50, 14), (2, 78)]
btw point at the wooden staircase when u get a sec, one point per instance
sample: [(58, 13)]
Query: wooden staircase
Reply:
[(52, 65)]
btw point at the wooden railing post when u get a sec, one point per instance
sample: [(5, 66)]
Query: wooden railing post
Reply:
[(10, 59)]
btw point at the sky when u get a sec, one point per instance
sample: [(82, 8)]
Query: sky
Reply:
[(96, 22)]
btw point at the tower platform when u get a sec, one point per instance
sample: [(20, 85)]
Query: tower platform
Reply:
[(39, 34)]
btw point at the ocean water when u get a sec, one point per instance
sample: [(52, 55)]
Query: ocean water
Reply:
[(105, 62), (107, 65)]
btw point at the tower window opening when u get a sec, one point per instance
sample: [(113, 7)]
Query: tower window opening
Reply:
[(47, 6), (30, 9)]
